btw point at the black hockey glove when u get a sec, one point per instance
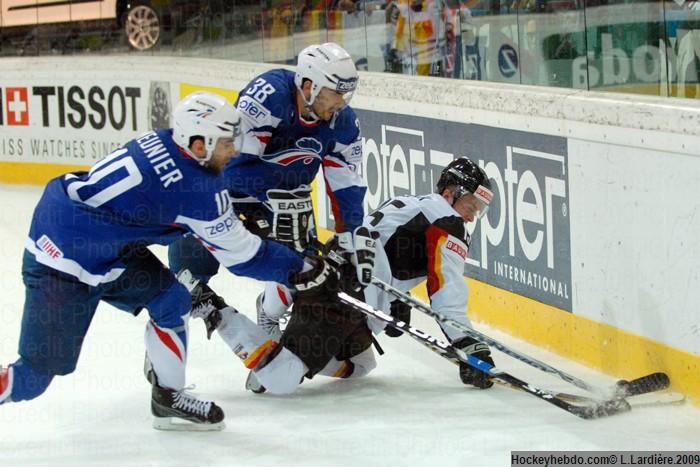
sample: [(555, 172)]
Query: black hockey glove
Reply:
[(317, 284), (467, 373), (400, 312), (293, 217)]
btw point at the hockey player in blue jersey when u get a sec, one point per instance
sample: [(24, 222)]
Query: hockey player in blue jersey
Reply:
[(295, 122), (87, 243)]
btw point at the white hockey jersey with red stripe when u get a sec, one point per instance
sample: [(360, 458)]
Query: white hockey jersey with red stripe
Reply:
[(422, 238)]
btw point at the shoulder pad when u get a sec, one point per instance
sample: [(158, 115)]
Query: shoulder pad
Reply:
[(270, 94), (347, 126), (455, 226)]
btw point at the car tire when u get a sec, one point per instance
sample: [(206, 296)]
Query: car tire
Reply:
[(143, 27)]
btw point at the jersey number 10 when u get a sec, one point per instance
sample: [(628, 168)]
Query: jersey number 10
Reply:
[(107, 179)]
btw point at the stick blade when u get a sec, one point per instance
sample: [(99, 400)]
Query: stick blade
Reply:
[(649, 383), (600, 409)]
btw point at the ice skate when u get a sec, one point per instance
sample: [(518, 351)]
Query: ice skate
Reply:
[(206, 304), (180, 411), (148, 370), (270, 325), (252, 384)]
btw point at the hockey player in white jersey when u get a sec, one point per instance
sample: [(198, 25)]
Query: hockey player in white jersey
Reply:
[(87, 244), (421, 238), (425, 238)]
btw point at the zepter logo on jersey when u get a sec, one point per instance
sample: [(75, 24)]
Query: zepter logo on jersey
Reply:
[(221, 226), (253, 109)]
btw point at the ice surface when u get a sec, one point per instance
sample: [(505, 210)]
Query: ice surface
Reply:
[(412, 410)]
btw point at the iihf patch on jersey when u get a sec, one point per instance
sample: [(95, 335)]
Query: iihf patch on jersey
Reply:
[(47, 246), (457, 248)]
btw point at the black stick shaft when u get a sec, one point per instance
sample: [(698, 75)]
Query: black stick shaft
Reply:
[(407, 299), (600, 409)]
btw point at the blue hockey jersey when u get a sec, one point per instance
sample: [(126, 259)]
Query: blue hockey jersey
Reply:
[(146, 192), (282, 151)]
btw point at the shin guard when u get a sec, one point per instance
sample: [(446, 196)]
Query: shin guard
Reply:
[(248, 341), (276, 300), (167, 351)]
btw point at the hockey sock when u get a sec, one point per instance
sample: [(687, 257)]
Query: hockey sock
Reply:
[(282, 374), (278, 369), (167, 351), (248, 341), (356, 367), (276, 300), (338, 369), (22, 383)]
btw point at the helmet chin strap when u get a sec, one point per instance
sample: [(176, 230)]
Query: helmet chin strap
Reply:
[(457, 193), (308, 105), (313, 117)]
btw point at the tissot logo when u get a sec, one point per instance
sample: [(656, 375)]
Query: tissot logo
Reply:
[(17, 106), (83, 106)]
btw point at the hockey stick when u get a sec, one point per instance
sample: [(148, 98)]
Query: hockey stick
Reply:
[(408, 300), (594, 409)]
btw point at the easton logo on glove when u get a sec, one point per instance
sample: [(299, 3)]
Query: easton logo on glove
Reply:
[(292, 221)]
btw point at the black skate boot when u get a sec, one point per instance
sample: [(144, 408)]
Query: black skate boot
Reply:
[(148, 370), (180, 411), (206, 304), (252, 384)]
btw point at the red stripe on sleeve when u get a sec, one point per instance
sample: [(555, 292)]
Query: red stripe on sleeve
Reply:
[(335, 207)]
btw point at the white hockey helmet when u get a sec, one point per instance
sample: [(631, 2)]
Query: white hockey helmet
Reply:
[(326, 66), (209, 116)]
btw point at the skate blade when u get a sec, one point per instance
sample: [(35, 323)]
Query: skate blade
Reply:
[(177, 424)]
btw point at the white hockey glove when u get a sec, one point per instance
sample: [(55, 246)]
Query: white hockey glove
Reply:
[(293, 217), (359, 248)]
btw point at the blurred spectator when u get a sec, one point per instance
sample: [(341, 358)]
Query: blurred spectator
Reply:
[(688, 61), (531, 55), (451, 41), (559, 50), (392, 61), (280, 46), (471, 51), (416, 41)]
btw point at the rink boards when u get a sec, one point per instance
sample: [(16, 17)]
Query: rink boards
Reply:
[(589, 248)]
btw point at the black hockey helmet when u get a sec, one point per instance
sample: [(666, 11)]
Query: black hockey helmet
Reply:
[(466, 177)]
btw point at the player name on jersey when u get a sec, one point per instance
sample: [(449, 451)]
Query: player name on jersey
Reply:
[(159, 157)]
